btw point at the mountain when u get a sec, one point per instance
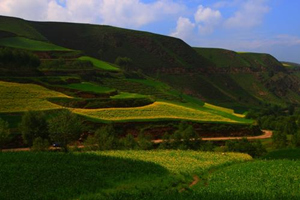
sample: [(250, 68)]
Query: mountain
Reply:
[(222, 77)]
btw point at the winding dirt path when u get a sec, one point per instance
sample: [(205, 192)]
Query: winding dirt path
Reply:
[(267, 134)]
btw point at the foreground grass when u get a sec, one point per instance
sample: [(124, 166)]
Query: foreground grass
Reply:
[(102, 175), (278, 179), (32, 45), (100, 64), (156, 111), (17, 97)]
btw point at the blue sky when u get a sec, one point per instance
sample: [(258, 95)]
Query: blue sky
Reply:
[(270, 26)]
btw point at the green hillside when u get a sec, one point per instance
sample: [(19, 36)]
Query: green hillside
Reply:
[(28, 44), (19, 27)]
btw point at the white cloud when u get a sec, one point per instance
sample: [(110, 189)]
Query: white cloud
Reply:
[(250, 14), (184, 29), (207, 19), (125, 13), (29, 9)]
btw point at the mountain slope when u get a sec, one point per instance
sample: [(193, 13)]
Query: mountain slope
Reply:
[(222, 77)]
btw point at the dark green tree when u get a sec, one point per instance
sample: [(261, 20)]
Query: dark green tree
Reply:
[(144, 142), (64, 128), (4, 133), (107, 138), (279, 139), (40, 144), (123, 62), (33, 125), (296, 139), (128, 142)]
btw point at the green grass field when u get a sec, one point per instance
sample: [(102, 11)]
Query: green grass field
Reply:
[(32, 45), (20, 28), (17, 97), (253, 180), (104, 175), (100, 64), (90, 87), (160, 111), (126, 95)]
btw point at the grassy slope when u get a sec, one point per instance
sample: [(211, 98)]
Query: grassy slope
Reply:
[(90, 87), (245, 88), (149, 52), (126, 95), (103, 175), (28, 44), (17, 97), (20, 28), (223, 58), (100, 64)]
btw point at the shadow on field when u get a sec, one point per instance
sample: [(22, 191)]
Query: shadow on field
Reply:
[(27, 175), (289, 154)]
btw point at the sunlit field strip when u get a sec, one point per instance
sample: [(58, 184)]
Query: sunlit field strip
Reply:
[(178, 161), (227, 110), (17, 97), (157, 110)]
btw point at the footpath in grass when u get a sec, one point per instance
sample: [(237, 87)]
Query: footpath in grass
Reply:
[(32, 45)]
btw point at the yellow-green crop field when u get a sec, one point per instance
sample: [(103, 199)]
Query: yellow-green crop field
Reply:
[(222, 109), (157, 110), (16, 97), (181, 162)]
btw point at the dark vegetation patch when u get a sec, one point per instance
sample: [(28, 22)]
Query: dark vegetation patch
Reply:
[(289, 154), (100, 102), (72, 175)]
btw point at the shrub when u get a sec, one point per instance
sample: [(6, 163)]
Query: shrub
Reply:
[(64, 128), (40, 144), (255, 149), (4, 133), (33, 125)]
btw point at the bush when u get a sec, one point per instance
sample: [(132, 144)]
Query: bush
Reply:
[(128, 142), (64, 128), (279, 139), (296, 139), (33, 125), (144, 142), (255, 149), (40, 144), (4, 133)]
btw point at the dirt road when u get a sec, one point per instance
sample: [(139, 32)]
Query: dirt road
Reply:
[(267, 134)]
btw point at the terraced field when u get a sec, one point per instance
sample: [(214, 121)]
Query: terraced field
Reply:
[(17, 97), (158, 111), (100, 64), (28, 44), (126, 95), (90, 87)]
